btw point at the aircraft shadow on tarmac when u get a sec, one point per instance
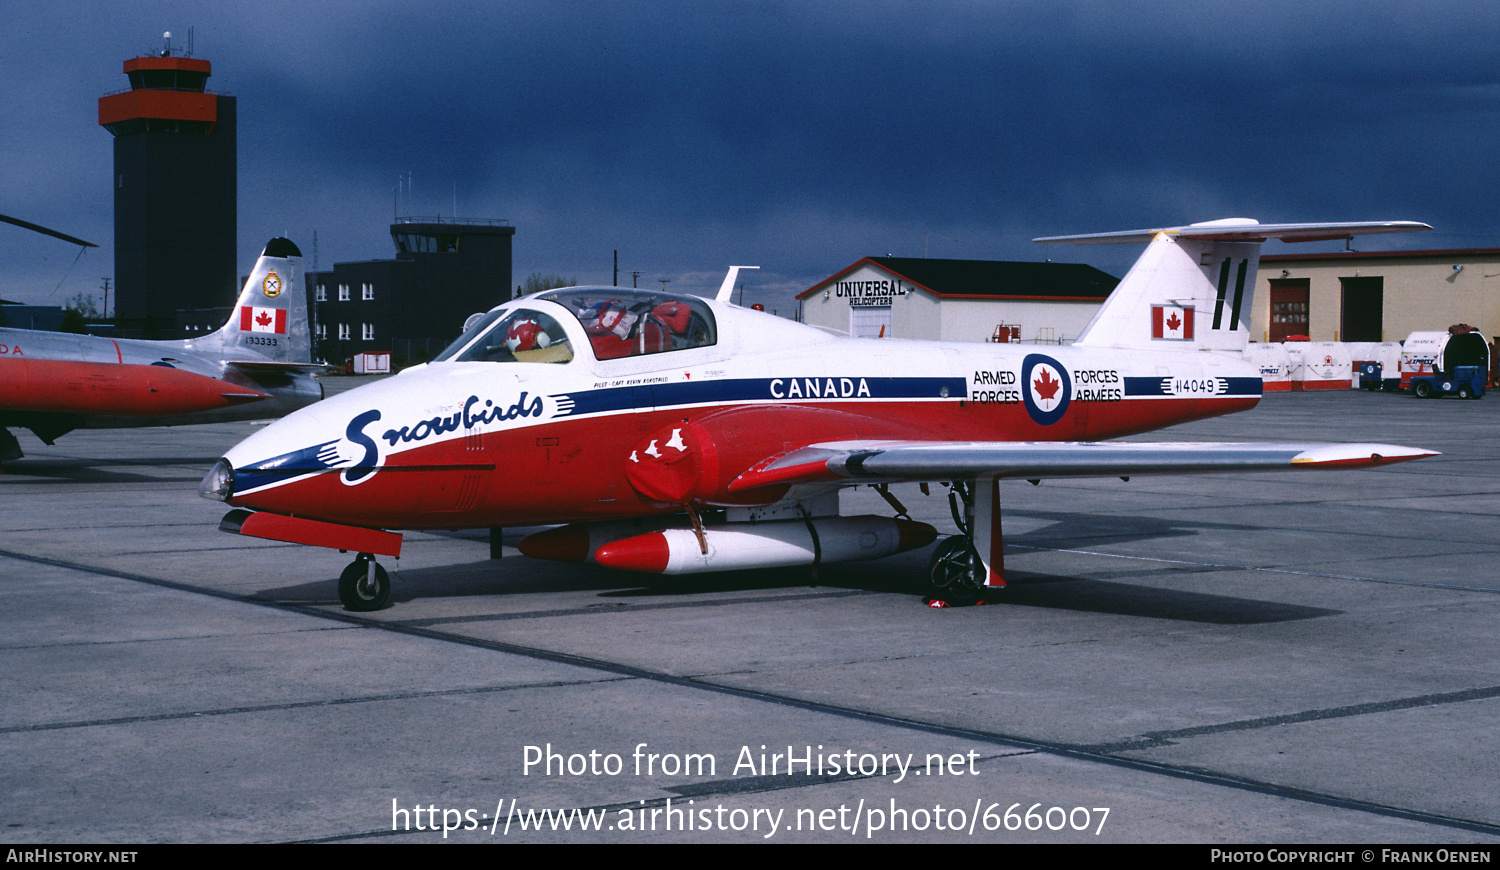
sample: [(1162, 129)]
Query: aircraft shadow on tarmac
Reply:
[(89, 470), (518, 575), (1094, 592), (1124, 599), (1080, 530)]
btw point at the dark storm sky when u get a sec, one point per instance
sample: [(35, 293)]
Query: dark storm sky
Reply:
[(795, 136)]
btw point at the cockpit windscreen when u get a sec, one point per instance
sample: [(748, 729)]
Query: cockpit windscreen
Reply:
[(517, 335)]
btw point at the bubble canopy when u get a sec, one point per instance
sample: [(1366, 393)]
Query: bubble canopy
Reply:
[(618, 323)]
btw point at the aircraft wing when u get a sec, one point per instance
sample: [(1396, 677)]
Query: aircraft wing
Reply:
[(885, 461)]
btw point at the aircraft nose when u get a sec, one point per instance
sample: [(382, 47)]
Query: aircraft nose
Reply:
[(218, 484)]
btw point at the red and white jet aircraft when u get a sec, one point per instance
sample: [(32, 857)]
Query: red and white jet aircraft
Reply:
[(258, 365), (673, 434)]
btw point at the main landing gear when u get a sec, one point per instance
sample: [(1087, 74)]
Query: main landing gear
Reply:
[(956, 573), (10, 448), (364, 585)]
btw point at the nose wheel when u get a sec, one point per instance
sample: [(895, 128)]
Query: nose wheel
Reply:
[(364, 585)]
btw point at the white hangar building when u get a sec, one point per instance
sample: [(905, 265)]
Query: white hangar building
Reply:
[(958, 300), (1375, 296)]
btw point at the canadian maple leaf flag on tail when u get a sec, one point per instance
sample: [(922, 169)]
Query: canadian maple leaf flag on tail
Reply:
[(1172, 322), (254, 319)]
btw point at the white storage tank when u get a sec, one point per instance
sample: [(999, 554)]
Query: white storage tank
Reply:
[(372, 363), (1274, 364), (1320, 365)]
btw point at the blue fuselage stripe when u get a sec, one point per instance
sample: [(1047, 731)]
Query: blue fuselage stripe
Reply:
[(667, 395), (1157, 386)]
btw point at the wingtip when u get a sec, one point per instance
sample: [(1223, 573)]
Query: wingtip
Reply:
[(1358, 455)]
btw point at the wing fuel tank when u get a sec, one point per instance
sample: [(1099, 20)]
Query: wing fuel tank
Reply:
[(67, 386)]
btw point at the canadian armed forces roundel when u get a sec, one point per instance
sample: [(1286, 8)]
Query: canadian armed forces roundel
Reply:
[(1048, 388)]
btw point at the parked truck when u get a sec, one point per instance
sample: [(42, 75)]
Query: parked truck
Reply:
[(1456, 362)]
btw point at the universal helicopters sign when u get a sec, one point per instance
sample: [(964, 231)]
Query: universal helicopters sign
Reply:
[(868, 291)]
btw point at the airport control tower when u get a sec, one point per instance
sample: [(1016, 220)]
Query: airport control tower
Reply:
[(174, 184)]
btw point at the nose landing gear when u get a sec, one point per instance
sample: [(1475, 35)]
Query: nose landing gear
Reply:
[(364, 585)]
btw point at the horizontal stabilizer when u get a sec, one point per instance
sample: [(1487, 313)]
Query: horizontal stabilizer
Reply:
[(260, 365), (1244, 230)]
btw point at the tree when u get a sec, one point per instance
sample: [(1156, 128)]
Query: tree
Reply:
[(536, 282), (85, 305), (77, 313)]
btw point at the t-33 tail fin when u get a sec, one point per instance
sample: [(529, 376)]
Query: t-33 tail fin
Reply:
[(270, 318)]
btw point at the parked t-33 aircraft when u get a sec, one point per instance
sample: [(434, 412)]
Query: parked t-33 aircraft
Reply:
[(672, 434), (258, 365)]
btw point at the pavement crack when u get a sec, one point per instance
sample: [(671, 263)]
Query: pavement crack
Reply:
[(63, 644), (1155, 739), (612, 608), (301, 705)]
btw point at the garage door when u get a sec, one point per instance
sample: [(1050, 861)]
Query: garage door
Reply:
[(870, 322)]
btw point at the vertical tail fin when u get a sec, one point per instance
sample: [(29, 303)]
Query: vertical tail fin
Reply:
[(1181, 291), (270, 319), (1194, 285)]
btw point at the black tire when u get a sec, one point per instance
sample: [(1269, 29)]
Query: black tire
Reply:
[(1465, 391), (358, 592), (1421, 389), (956, 573)]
